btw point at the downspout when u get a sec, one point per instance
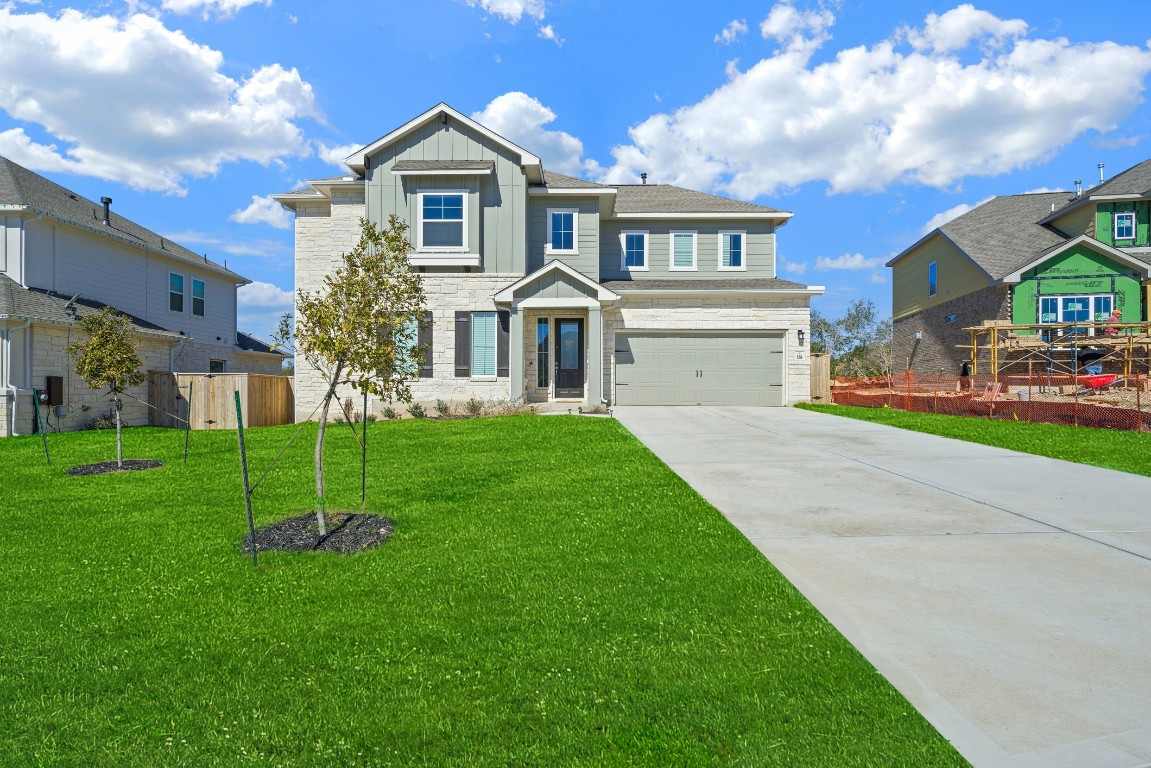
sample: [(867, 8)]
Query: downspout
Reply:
[(10, 387)]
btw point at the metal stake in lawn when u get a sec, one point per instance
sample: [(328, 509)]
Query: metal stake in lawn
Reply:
[(188, 424), (364, 458), (244, 472), (40, 423)]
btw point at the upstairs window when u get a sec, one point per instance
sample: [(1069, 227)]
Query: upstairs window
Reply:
[(562, 230), (731, 250), (932, 274), (175, 292), (443, 221), (1125, 226), (682, 251), (198, 298), (634, 245)]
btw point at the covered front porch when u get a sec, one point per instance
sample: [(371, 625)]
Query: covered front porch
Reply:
[(556, 336)]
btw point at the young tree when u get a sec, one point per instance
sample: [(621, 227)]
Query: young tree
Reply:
[(859, 343), (107, 358), (359, 329)]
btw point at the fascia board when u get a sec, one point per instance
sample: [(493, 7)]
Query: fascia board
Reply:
[(447, 172), (811, 290), (778, 215), (602, 294), (1102, 248), (572, 191)]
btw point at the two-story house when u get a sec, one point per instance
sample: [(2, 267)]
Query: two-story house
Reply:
[(62, 257), (548, 288), (1049, 258)]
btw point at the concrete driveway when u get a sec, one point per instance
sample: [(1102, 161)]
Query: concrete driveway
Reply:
[(1007, 596)]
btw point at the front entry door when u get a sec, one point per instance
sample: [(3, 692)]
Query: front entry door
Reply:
[(569, 358)]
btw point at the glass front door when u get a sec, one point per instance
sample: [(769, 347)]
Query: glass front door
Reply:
[(569, 354)]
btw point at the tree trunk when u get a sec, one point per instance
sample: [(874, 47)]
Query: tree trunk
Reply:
[(321, 520), (119, 436)]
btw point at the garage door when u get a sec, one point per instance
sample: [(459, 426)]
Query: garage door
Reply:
[(677, 368)]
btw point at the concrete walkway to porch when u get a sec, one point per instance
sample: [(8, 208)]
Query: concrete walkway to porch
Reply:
[(1007, 596)]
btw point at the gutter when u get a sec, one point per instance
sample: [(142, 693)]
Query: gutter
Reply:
[(10, 387)]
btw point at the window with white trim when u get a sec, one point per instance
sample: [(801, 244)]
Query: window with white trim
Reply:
[(1076, 309), (683, 252), (732, 250), (634, 247), (1124, 228), (932, 274), (443, 220), (197, 297), (563, 230), (483, 344), (175, 292)]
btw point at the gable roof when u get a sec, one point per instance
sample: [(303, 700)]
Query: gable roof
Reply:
[(22, 188), (248, 343), (39, 305), (530, 162), (600, 291), (1141, 262), (1136, 180)]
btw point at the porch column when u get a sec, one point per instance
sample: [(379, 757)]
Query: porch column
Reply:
[(595, 355), (516, 355)]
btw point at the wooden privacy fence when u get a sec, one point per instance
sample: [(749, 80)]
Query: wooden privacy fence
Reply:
[(266, 400), (820, 377)]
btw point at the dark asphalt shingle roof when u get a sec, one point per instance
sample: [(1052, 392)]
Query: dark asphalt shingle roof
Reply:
[(252, 344), (46, 306), (733, 284), (1136, 180), (1002, 234), (666, 198), (20, 186), (444, 165), (560, 181)]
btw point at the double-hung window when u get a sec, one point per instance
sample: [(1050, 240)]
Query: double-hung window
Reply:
[(1124, 228), (443, 222), (634, 247), (932, 277), (731, 250), (175, 292), (562, 230), (197, 297), (682, 252)]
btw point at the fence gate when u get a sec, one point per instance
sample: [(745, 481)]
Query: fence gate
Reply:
[(265, 400)]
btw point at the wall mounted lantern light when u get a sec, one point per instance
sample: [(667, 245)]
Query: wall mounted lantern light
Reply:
[(802, 335)]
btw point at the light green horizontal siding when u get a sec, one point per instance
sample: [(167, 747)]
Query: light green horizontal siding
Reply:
[(587, 235), (759, 250), (956, 275)]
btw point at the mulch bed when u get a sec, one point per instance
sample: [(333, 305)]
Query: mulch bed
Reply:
[(104, 467), (347, 533)]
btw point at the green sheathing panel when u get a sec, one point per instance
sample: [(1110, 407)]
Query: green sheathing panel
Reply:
[(1104, 223), (956, 275), (587, 260), (554, 285), (497, 203), (759, 256), (706, 368), (1080, 271)]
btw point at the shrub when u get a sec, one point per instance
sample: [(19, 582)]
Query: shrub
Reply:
[(417, 411), (444, 408), (474, 407), (390, 413), (102, 422)]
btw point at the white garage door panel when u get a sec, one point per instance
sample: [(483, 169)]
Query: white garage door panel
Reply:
[(707, 368)]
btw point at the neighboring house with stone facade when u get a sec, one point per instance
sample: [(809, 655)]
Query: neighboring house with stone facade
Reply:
[(62, 257), (547, 288), (1033, 259)]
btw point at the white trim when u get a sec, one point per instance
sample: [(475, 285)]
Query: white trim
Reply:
[(1106, 250), (694, 250), (507, 295), (538, 303), (742, 250), (548, 249), (183, 293), (447, 172), (431, 259), (463, 247), (581, 191), (623, 250), (811, 290), (1115, 224), (732, 215)]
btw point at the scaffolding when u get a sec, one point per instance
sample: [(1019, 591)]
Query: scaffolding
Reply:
[(1060, 347)]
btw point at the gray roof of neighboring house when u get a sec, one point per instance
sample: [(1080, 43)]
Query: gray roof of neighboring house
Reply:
[(444, 165), (561, 181), (45, 306), (1002, 234), (1136, 180), (731, 284), (251, 344), (666, 198), (20, 186)]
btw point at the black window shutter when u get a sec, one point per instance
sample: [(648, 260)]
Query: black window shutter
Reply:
[(425, 341), (502, 334), (463, 344)]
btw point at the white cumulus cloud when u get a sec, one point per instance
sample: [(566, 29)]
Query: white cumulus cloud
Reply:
[(335, 155), (132, 101), (966, 93), (207, 8), (954, 212), (547, 32), (263, 210), (521, 118), (511, 11), (850, 261), (265, 296), (732, 32)]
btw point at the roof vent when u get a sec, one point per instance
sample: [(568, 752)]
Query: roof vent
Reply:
[(643, 178), (107, 201), (1101, 173), (1078, 187)]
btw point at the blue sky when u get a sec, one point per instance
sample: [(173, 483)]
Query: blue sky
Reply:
[(870, 120)]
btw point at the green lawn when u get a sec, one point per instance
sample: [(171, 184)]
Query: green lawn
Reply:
[(552, 596), (1110, 448)]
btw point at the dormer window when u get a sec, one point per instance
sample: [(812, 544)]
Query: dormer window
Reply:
[(443, 224), (1125, 226)]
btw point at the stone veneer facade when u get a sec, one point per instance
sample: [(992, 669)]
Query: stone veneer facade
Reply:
[(944, 345)]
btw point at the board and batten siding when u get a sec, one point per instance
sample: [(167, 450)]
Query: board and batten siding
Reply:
[(759, 250), (955, 276), (496, 203), (587, 236)]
